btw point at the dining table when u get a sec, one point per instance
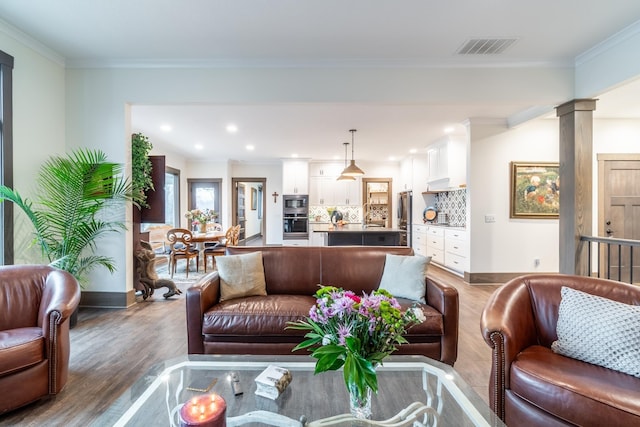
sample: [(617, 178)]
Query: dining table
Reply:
[(208, 237)]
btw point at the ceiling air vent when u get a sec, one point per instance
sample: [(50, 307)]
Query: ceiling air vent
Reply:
[(485, 46)]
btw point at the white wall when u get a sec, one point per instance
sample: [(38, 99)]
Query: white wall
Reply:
[(508, 245), (38, 127), (511, 245)]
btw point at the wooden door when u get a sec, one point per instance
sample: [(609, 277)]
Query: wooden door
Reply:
[(619, 211)]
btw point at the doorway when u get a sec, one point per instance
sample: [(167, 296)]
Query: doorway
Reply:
[(376, 198), (247, 209), (619, 210)]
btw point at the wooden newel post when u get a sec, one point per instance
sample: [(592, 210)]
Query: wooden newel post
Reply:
[(576, 183)]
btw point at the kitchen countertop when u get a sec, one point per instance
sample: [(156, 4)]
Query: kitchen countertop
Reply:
[(352, 228), (452, 227)]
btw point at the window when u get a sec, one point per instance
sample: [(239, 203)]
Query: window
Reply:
[(6, 155), (205, 194)]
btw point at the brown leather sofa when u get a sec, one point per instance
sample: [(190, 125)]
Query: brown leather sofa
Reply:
[(35, 304), (257, 324), (530, 385)]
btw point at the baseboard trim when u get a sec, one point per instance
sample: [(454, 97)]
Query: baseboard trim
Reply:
[(490, 277), (107, 299)]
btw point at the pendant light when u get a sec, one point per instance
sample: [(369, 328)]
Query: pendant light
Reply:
[(352, 169), (344, 177)]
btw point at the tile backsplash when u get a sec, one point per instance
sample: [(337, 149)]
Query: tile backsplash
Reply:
[(454, 204), (349, 213)]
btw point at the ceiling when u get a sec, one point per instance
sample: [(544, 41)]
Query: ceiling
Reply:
[(315, 33)]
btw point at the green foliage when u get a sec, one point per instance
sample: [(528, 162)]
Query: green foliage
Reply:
[(70, 211), (141, 168)]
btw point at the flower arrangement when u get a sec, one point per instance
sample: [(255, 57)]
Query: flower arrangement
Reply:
[(355, 332), (201, 216)]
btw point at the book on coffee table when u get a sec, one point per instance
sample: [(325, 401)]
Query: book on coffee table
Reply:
[(272, 382)]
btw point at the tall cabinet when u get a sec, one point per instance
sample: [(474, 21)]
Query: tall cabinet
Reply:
[(446, 163), (326, 190), (295, 177)]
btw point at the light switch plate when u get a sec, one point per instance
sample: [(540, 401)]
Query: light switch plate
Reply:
[(489, 218)]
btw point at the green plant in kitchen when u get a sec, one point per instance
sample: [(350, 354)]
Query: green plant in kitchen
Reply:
[(141, 168), (73, 207)]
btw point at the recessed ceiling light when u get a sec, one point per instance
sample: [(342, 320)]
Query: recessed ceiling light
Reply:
[(392, 158), (166, 128), (250, 147), (413, 151), (294, 155), (231, 128), (448, 129), (336, 157), (198, 146)]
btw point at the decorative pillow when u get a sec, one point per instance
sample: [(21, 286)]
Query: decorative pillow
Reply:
[(598, 330), (241, 275), (403, 276)]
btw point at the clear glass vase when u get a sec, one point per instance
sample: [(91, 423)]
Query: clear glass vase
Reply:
[(360, 404)]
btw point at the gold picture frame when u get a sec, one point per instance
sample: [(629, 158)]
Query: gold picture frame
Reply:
[(535, 190)]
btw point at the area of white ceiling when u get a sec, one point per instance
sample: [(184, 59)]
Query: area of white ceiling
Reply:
[(327, 33)]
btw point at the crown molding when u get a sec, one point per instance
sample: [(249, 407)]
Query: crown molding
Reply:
[(609, 43), (32, 43), (309, 63)]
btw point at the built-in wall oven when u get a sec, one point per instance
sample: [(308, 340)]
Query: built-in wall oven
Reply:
[(295, 213)]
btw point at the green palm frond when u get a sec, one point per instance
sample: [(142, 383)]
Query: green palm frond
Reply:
[(68, 214)]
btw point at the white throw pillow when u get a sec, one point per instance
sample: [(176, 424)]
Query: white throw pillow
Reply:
[(404, 276), (241, 275), (598, 330)]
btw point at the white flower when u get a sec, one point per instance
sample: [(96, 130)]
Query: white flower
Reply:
[(326, 339), (418, 314)]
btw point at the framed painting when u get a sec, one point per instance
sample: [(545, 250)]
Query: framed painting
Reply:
[(254, 199), (535, 190)]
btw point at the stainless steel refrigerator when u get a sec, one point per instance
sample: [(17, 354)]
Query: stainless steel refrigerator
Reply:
[(404, 217)]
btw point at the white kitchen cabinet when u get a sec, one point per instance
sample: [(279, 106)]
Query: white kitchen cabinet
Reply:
[(419, 240), (295, 177), (435, 244), (348, 192), (331, 169), (456, 256), (446, 163), (295, 242), (318, 238), (318, 190), (326, 190)]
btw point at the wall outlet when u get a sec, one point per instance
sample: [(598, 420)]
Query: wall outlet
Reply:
[(536, 262), (489, 218)]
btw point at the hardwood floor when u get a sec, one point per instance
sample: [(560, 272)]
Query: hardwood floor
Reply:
[(112, 348)]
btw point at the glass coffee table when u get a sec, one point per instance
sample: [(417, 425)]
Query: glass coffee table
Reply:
[(413, 391)]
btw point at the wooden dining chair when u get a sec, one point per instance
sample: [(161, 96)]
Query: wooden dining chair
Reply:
[(231, 238), (181, 247)]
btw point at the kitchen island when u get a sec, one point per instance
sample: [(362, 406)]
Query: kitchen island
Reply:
[(356, 234)]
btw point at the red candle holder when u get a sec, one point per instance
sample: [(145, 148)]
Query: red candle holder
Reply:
[(205, 410)]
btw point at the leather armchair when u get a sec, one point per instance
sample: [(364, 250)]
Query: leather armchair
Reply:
[(530, 385), (36, 302)]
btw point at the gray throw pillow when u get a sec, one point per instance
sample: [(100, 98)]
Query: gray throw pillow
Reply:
[(241, 275), (404, 276), (598, 330)]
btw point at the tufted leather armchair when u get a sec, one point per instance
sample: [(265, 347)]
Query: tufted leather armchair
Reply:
[(530, 385), (36, 302)]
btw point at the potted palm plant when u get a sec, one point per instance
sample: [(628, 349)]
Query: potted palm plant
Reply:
[(70, 209)]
